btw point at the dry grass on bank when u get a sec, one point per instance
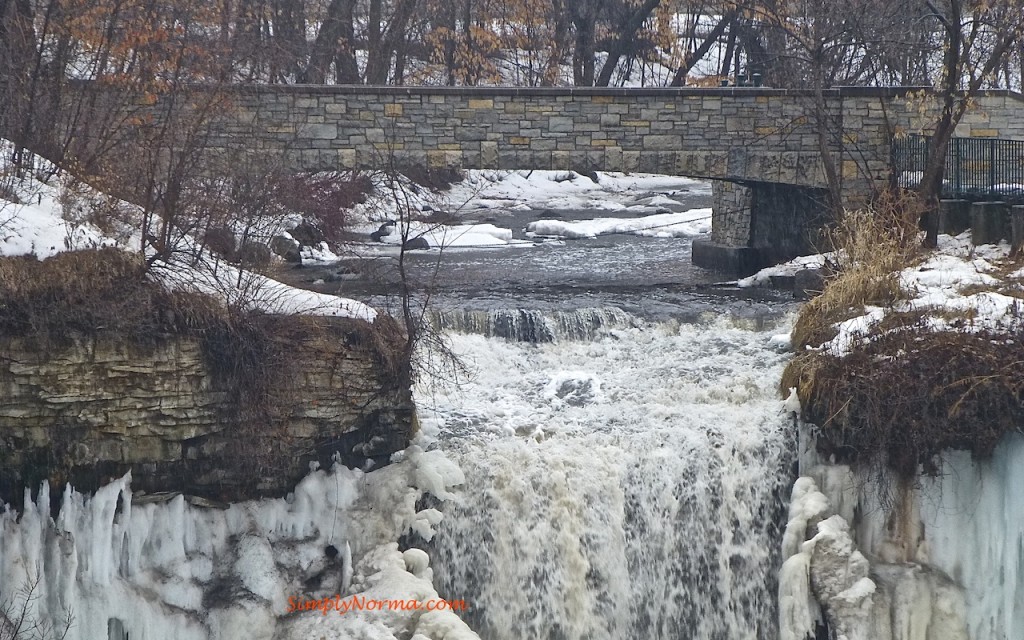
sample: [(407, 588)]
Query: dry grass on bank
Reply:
[(910, 393), (907, 392), (871, 247), (90, 291)]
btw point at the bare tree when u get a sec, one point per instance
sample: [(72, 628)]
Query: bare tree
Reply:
[(977, 37)]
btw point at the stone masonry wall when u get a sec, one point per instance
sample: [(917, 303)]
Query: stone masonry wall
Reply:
[(730, 213), (739, 134), (758, 134), (100, 407)]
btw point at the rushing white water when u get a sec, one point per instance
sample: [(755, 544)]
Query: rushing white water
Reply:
[(626, 487)]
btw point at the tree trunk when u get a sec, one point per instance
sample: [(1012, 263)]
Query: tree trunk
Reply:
[(335, 41), (384, 43), (691, 58), (624, 40)]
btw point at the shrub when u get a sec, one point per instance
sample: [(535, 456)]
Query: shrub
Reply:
[(434, 179), (324, 198)]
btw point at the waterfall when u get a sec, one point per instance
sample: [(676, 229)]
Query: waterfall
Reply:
[(530, 325), (629, 487)]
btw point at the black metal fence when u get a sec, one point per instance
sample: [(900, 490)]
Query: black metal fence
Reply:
[(975, 167)]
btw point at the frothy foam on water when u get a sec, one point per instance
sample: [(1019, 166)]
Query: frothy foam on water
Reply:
[(629, 487)]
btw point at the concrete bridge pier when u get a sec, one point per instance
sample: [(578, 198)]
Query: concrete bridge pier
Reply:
[(757, 224)]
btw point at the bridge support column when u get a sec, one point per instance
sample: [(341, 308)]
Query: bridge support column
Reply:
[(954, 216), (729, 248), (989, 223), (760, 224)]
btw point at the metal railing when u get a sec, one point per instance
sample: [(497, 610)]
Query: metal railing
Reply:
[(975, 167)]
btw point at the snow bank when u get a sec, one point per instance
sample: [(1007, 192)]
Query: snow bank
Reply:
[(566, 190), (465, 236), (763, 277), (44, 228), (255, 292), (39, 228), (945, 287)]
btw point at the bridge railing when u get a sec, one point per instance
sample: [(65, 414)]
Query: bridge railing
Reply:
[(975, 167)]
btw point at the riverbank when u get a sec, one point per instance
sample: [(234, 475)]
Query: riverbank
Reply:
[(907, 381)]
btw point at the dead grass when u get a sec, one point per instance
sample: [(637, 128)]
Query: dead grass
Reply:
[(910, 393), (871, 247), (905, 394), (90, 291)]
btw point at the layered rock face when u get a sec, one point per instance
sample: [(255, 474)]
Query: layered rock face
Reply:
[(182, 416)]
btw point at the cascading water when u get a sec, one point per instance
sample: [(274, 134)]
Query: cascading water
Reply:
[(629, 486), (528, 325)]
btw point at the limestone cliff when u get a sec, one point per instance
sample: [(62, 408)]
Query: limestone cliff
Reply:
[(185, 416)]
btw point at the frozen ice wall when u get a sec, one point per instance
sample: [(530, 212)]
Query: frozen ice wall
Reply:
[(173, 571), (973, 516), (947, 553), (626, 487)]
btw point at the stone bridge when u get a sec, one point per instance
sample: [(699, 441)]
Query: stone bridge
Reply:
[(766, 142), (764, 147)]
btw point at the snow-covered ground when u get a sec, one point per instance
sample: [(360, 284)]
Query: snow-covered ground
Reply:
[(47, 221), (958, 287), (568, 190), (37, 226), (645, 205), (660, 225), (460, 236)]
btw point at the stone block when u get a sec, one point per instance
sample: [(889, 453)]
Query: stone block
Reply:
[(561, 124), (734, 261), (489, 155), (661, 142), (318, 131), (989, 222), (470, 134)]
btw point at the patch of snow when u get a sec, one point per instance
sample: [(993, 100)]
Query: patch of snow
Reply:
[(40, 228), (940, 286), (563, 189), (763, 277), (253, 291), (464, 236)]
